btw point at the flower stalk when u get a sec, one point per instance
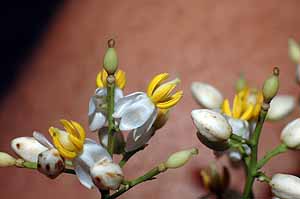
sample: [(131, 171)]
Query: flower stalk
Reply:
[(146, 177), (110, 111)]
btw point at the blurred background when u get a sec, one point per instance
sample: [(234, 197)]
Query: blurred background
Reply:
[(51, 52)]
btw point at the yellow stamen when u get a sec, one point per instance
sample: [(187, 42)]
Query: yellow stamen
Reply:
[(248, 113), (174, 99), (69, 143), (162, 92), (259, 101), (226, 108), (206, 179), (119, 75), (237, 107), (155, 82), (120, 79), (59, 146)]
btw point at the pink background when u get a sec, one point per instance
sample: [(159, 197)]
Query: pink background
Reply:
[(209, 41)]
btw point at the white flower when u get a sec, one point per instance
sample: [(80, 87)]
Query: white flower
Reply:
[(281, 106), (83, 152), (98, 105), (290, 135), (207, 95), (285, 186), (138, 111)]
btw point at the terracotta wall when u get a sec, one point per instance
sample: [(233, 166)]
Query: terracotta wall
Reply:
[(211, 41)]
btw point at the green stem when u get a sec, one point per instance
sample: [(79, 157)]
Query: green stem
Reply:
[(240, 139), (252, 172), (279, 149), (128, 155), (129, 184), (33, 165), (110, 111)]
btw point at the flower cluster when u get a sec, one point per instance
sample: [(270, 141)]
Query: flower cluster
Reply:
[(241, 116), (115, 116), (237, 129)]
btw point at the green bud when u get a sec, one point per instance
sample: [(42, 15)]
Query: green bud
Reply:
[(271, 86), (180, 158), (241, 83), (110, 61), (6, 160), (294, 51)]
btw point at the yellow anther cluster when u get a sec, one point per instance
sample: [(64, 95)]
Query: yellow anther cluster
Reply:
[(160, 94), (70, 142), (119, 75), (246, 105)]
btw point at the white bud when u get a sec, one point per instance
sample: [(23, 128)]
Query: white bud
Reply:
[(294, 50), (27, 148), (212, 125), (50, 163), (285, 186), (290, 135), (6, 160), (180, 158), (281, 106), (106, 174), (207, 95)]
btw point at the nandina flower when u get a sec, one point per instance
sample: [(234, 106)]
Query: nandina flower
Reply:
[(83, 152), (138, 111), (98, 105)]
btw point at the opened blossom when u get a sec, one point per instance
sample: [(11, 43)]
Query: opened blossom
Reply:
[(98, 105), (71, 144), (137, 112)]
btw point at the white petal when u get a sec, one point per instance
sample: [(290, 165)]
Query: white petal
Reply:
[(118, 94), (137, 133), (239, 127), (101, 92), (27, 148), (136, 114), (97, 121), (207, 95), (42, 140), (124, 102), (132, 144), (281, 106), (92, 107), (92, 153), (83, 176)]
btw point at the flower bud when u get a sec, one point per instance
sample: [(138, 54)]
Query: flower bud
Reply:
[(271, 86), (110, 62), (241, 83), (27, 148), (290, 135), (214, 179), (207, 95), (6, 160), (107, 175), (213, 129), (285, 186), (180, 158), (50, 163), (280, 107), (294, 51)]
